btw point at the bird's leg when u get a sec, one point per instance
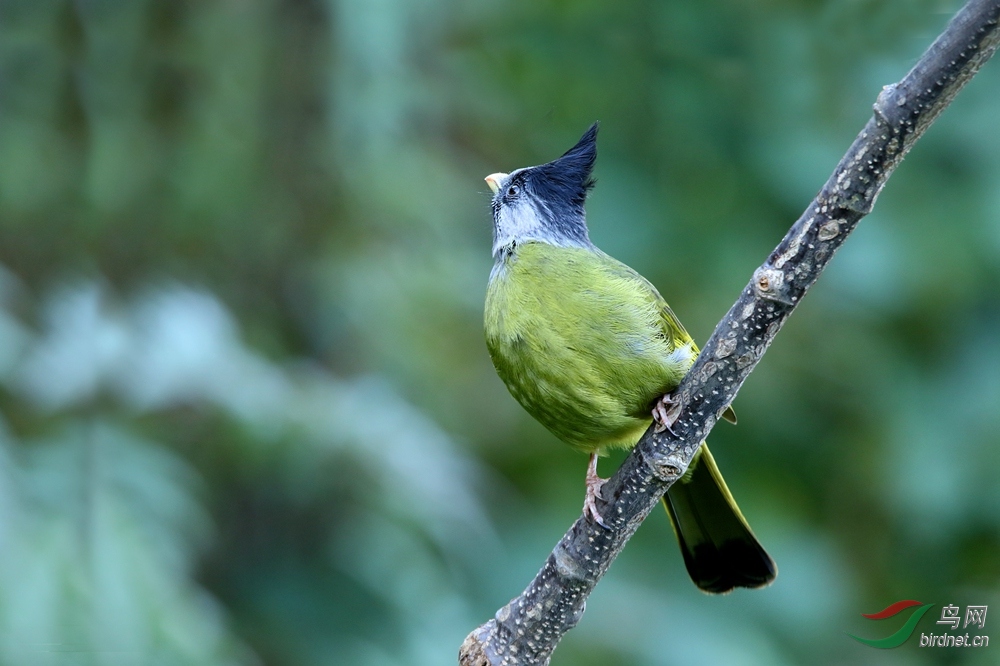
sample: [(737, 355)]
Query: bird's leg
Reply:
[(594, 483), (666, 411)]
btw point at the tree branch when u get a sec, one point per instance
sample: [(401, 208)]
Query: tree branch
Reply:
[(527, 629)]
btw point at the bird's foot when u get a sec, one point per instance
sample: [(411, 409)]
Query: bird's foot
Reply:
[(594, 484), (666, 411)]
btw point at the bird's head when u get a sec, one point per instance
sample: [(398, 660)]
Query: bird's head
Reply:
[(545, 203)]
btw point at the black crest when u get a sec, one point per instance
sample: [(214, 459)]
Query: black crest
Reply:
[(564, 183)]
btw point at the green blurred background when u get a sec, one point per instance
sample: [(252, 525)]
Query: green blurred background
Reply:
[(247, 412)]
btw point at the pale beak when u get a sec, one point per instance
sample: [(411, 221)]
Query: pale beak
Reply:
[(494, 180)]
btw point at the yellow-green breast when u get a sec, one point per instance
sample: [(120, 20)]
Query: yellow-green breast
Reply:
[(583, 342)]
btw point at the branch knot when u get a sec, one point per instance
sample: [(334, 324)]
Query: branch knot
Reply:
[(667, 467), (567, 566), (769, 283)]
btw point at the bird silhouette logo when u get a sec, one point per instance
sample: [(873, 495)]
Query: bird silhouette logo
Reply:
[(904, 632)]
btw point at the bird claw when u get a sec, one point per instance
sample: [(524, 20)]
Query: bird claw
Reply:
[(666, 411), (590, 503), (594, 485)]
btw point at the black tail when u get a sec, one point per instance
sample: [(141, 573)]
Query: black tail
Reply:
[(720, 550)]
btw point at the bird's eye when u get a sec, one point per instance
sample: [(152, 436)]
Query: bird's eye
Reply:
[(512, 191)]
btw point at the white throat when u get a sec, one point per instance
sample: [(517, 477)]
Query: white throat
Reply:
[(522, 221)]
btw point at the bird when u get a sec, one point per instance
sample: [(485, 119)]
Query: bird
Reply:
[(592, 351)]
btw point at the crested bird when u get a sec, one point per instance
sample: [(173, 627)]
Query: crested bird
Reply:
[(592, 351)]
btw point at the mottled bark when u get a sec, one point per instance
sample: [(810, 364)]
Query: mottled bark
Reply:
[(527, 629)]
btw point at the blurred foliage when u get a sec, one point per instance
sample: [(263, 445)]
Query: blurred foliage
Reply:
[(247, 412)]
